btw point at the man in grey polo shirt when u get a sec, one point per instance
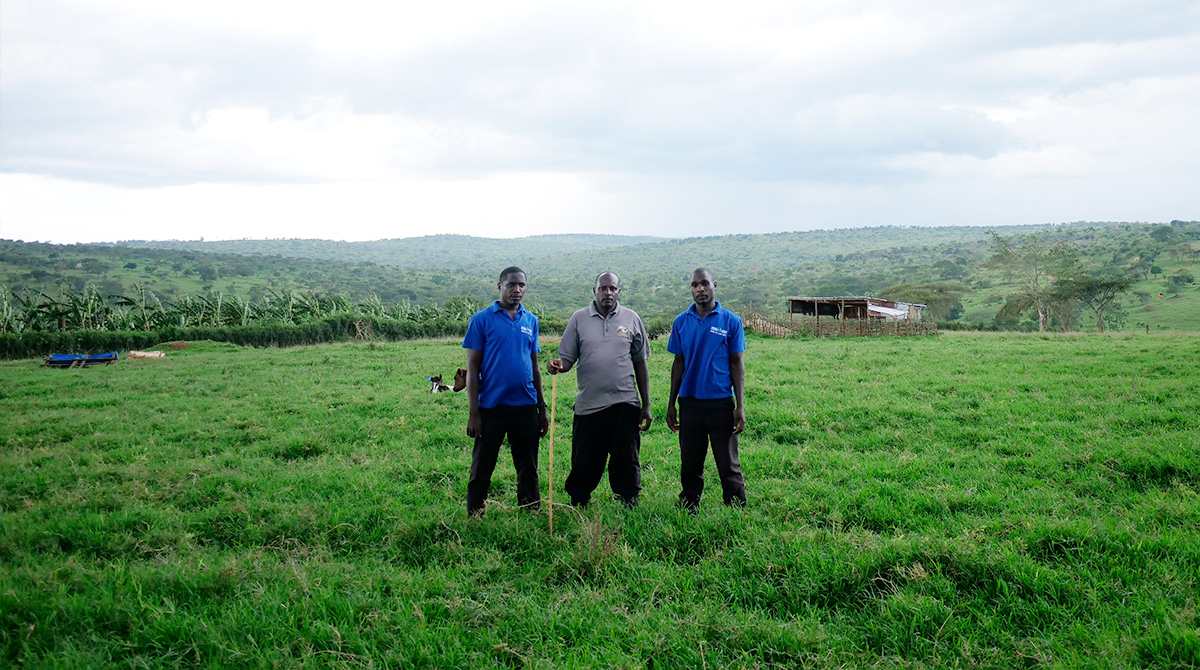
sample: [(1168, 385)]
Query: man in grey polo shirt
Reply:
[(613, 404)]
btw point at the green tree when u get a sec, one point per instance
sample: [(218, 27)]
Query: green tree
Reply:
[(1064, 305), (944, 299), (948, 269), (1164, 234), (1179, 280), (143, 304), (1098, 294), (94, 266), (460, 307), (1035, 263), (8, 311)]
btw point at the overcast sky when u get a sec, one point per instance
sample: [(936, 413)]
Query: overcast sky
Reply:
[(369, 120)]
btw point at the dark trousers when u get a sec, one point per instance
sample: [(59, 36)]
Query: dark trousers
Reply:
[(521, 426), (613, 431), (702, 422)]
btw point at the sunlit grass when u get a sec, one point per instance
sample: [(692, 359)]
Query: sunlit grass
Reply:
[(992, 500)]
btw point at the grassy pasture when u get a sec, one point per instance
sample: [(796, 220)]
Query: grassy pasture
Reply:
[(996, 500)]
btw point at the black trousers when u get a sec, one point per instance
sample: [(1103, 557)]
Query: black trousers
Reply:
[(702, 422), (521, 426), (611, 432)]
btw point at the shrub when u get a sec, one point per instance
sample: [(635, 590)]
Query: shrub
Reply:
[(337, 328)]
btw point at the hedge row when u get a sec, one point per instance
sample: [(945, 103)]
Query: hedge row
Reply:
[(968, 325), (338, 328)]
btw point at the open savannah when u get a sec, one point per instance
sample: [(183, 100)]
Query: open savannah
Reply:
[(966, 500)]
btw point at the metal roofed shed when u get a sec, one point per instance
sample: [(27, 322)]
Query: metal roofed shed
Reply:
[(889, 312), (856, 307), (857, 315)]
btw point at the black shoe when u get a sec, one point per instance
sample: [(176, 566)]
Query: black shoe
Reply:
[(580, 504)]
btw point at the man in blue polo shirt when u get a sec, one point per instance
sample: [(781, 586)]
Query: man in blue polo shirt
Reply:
[(504, 393), (707, 377)]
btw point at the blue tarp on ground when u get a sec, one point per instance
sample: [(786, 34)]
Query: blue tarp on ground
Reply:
[(80, 360)]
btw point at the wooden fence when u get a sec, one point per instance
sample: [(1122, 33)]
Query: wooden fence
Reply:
[(830, 326)]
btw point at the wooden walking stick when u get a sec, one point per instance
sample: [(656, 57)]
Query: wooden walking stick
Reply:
[(553, 397)]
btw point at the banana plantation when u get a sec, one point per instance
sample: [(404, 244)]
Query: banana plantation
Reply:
[(27, 310)]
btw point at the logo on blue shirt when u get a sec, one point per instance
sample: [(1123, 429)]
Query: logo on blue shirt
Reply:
[(719, 331), (527, 330)]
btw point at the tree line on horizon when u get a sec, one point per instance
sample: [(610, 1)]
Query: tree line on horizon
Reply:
[(978, 278)]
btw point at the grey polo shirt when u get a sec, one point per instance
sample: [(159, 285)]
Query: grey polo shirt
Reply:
[(603, 351)]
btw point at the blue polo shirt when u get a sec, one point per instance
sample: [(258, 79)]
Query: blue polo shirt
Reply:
[(508, 344), (705, 345)]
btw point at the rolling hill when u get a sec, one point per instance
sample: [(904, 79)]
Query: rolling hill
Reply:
[(754, 271)]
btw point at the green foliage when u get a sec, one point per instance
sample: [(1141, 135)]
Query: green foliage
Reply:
[(944, 299), (1039, 265), (1180, 279), (335, 328), (962, 501), (1096, 293), (421, 276), (455, 252)]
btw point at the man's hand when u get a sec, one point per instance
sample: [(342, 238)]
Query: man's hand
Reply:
[(739, 420), (474, 426), (555, 366), (543, 422), (646, 419), (672, 422)]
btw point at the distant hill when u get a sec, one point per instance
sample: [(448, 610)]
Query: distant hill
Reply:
[(753, 271), (723, 253), (442, 252), (557, 254)]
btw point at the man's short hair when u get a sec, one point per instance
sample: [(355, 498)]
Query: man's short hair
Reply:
[(606, 272), (510, 270), (703, 271)]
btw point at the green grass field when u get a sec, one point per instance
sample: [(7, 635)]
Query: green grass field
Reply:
[(995, 500)]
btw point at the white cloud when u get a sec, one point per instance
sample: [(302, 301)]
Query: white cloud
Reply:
[(507, 205), (671, 117)]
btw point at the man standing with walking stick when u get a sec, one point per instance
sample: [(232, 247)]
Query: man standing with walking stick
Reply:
[(707, 377), (504, 393), (612, 407)]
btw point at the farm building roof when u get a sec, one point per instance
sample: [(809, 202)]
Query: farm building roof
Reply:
[(853, 297)]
